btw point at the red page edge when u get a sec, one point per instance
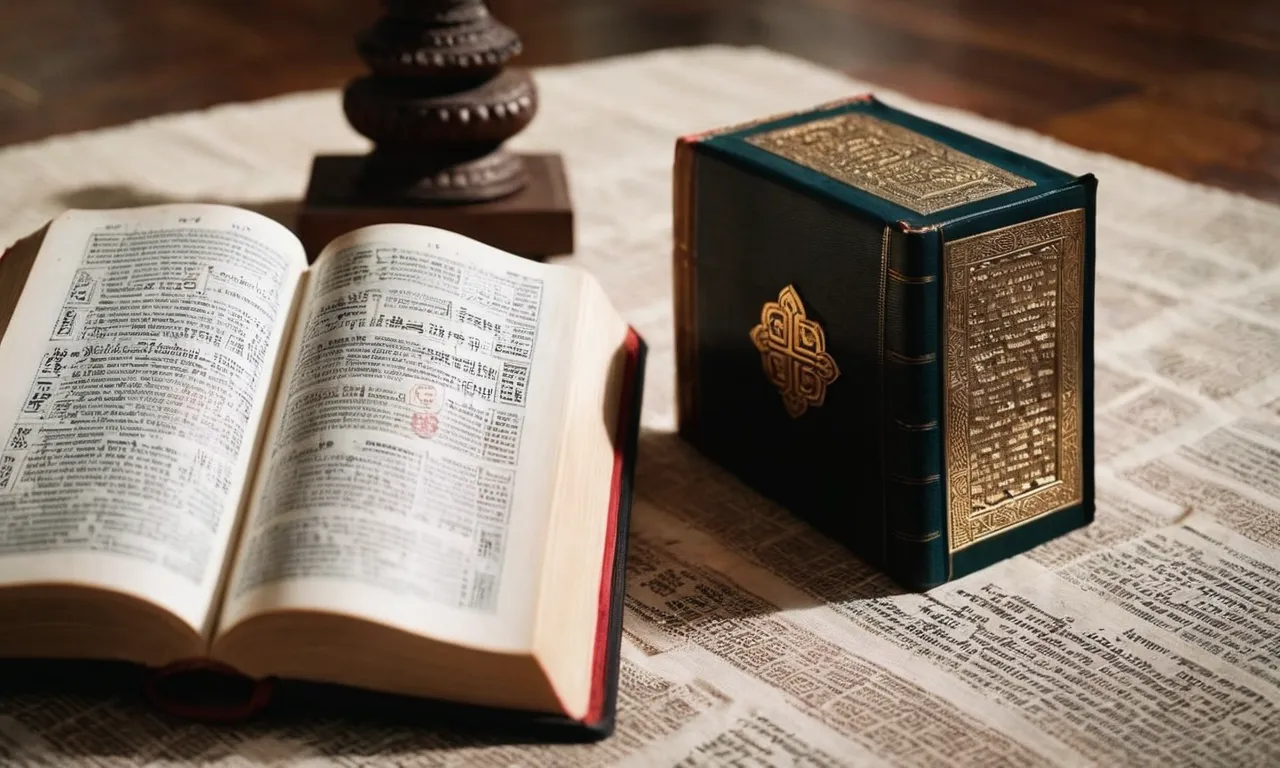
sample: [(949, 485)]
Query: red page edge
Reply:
[(600, 677)]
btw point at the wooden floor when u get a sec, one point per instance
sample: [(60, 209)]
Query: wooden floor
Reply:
[(1191, 87)]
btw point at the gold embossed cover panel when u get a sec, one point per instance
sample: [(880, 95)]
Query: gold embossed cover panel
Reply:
[(1012, 313), (890, 161)]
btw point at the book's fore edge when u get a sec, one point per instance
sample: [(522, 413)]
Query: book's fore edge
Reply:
[(684, 281), (603, 708), (915, 538)]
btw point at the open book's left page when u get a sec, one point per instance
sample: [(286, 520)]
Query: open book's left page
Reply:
[(136, 371)]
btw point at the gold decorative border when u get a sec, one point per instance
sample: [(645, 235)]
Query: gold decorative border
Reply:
[(1068, 229)]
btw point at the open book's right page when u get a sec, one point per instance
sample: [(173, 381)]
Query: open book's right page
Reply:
[(408, 471)]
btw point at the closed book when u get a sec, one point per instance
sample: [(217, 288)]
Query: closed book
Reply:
[(885, 325)]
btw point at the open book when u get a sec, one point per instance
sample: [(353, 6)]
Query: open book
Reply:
[(403, 468)]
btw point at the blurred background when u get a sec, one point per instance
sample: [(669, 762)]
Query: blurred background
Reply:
[(1188, 86)]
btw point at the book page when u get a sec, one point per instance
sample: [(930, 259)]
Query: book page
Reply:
[(137, 366), (409, 467)]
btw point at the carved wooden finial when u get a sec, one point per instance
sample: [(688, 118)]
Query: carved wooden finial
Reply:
[(439, 103)]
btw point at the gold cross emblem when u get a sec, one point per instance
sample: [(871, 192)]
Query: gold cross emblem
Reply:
[(793, 350)]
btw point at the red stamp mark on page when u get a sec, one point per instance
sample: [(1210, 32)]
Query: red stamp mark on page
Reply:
[(426, 396), (425, 424)]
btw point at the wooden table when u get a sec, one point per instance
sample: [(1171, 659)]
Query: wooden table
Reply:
[(1190, 87)]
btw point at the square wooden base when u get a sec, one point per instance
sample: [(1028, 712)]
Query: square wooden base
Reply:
[(535, 222)]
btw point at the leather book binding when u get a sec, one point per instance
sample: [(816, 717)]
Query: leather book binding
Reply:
[(885, 325)]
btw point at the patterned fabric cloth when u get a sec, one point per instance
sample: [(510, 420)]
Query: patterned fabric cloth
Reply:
[(1149, 638)]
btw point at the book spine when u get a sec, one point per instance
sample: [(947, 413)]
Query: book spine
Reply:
[(915, 538)]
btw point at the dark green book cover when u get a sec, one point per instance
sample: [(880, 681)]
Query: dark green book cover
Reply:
[(885, 325)]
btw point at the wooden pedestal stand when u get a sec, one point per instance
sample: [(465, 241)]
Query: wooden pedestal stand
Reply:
[(438, 106)]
